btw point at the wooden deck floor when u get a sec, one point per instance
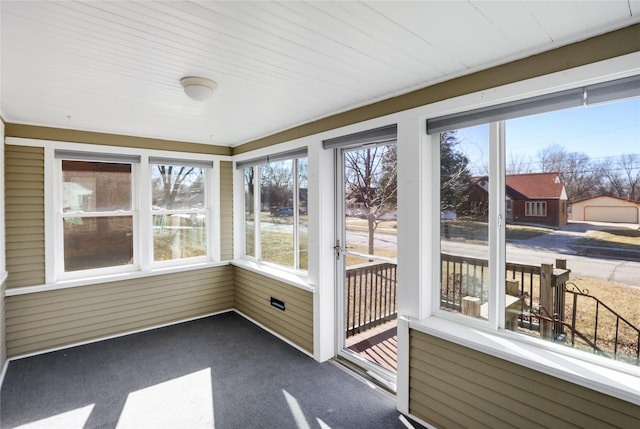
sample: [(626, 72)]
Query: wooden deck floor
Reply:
[(379, 344)]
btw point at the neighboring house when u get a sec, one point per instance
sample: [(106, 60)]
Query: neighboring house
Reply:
[(355, 201), (531, 198), (605, 208)]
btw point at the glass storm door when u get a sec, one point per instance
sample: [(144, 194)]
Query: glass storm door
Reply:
[(366, 257)]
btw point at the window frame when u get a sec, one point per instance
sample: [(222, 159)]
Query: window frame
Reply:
[(143, 265), (601, 374), (207, 210), (60, 273), (257, 240), (497, 173)]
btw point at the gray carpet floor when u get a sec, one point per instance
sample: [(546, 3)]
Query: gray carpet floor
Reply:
[(218, 372)]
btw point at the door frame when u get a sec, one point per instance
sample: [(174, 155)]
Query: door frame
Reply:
[(382, 375)]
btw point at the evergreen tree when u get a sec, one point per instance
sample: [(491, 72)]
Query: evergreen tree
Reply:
[(455, 177)]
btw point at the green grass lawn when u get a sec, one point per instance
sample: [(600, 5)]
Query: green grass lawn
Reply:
[(477, 231), (277, 247)]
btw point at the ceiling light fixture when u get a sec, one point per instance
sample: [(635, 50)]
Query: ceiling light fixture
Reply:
[(198, 88)]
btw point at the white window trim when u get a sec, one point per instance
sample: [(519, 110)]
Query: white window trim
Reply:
[(213, 251), (143, 268), (134, 213), (257, 256), (613, 378), (3, 269)]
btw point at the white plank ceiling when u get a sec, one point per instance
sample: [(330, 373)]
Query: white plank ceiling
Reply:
[(115, 66)]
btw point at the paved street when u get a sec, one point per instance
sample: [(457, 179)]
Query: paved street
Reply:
[(544, 249)]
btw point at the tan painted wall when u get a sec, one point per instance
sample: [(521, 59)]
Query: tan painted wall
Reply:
[(3, 339), (75, 136), (453, 387), (24, 215), (44, 320), (226, 210), (252, 297)]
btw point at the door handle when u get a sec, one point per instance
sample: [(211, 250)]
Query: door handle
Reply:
[(338, 249)]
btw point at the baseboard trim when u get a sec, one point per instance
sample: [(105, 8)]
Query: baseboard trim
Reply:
[(272, 332)]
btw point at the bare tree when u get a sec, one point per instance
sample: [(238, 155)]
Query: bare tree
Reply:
[(630, 165), (248, 174), (276, 184), (172, 180), (519, 163), (370, 176), (578, 174), (622, 177)]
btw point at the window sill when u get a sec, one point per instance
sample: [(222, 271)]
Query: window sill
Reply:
[(282, 275), (601, 374), (110, 278)]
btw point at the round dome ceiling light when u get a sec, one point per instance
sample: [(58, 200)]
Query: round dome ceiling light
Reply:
[(198, 88)]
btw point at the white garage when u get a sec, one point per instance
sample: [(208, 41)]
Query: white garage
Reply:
[(606, 209)]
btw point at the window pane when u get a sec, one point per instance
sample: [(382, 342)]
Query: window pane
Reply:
[(97, 242), (302, 213), (177, 187), (178, 236), (276, 213), (96, 186), (574, 180), (464, 211), (249, 221)]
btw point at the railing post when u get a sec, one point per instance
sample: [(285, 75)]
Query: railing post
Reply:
[(514, 304), (560, 288), (546, 301), (512, 287), (471, 306)]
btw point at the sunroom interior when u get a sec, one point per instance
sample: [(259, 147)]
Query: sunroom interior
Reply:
[(93, 123)]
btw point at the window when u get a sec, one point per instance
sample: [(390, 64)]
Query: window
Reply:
[(179, 210), (97, 215), (528, 179), (535, 208), (464, 193), (102, 227), (275, 210)]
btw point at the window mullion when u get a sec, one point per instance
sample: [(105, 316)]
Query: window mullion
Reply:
[(257, 247), (497, 224), (144, 235), (296, 243)]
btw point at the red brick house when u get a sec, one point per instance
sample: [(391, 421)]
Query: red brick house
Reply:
[(530, 198)]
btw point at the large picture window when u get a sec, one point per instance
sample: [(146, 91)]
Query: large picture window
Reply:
[(275, 211), (506, 185)]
